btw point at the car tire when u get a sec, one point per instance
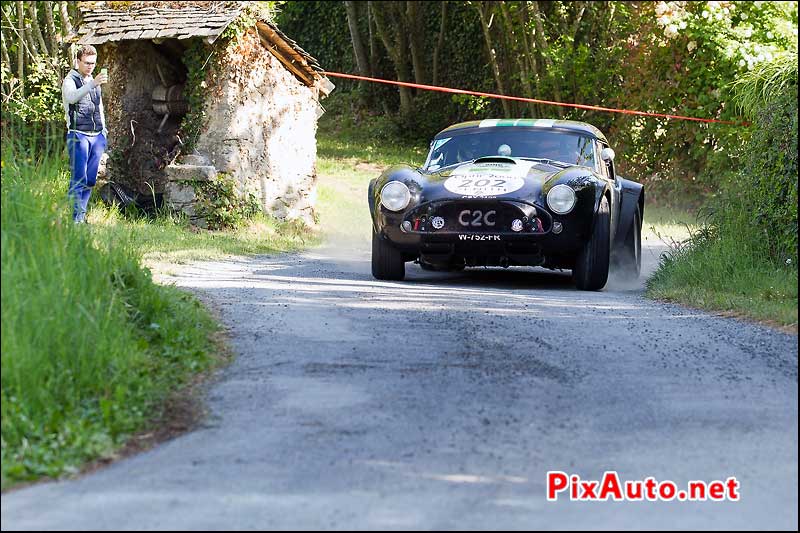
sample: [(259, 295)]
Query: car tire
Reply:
[(629, 260), (591, 266), (387, 261)]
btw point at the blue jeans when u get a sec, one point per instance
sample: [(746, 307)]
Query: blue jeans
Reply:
[(84, 158)]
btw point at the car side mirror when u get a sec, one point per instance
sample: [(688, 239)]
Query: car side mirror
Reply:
[(607, 154)]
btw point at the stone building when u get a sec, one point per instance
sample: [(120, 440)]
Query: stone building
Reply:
[(188, 102)]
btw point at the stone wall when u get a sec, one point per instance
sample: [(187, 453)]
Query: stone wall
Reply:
[(262, 131)]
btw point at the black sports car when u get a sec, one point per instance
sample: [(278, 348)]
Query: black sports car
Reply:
[(510, 192)]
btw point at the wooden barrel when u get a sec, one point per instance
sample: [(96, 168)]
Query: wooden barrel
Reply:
[(175, 94), (160, 108), (169, 100), (159, 93), (173, 108), (178, 108)]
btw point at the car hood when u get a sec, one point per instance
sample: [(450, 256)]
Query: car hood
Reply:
[(495, 178)]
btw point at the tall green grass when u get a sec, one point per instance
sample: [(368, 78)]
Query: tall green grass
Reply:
[(91, 347), (169, 238), (727, 273)]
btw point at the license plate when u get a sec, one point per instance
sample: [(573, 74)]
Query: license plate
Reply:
[(473, 237)]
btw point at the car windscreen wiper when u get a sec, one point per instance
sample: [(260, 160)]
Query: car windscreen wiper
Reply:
[(547, 161), (437, 169)]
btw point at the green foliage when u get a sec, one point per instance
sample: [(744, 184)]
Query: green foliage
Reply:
[(34, 94), (683, 60), (724, 272), (195, 59), (768, 81), (664, 57), (221, 205), (43, 85), (320, 28)]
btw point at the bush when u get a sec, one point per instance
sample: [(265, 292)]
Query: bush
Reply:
[(761, 200), (222, 206)]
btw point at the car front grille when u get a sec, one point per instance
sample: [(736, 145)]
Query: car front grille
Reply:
[(479, 217)]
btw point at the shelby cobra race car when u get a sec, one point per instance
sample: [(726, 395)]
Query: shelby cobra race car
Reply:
[(510, 192)]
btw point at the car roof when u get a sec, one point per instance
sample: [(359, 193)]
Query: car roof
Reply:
[(539, 123)]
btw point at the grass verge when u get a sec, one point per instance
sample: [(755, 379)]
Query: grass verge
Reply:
[(724, 275), (93, 351), (170, 239)]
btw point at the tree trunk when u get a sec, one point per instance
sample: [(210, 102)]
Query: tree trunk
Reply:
[(37, 31), (6, 58), (358, 46), (518, 54), (439, 44), (25, 32), (542, 45), (6, 87), (396, 47), (416, 33), (51, 27), (527, 43), (20, 47), (404, 72), (6, 61), (373, 50), (66, 24), (485, 25), (577, 24)]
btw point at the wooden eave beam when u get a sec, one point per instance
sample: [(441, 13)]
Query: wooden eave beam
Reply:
[(285, 53)]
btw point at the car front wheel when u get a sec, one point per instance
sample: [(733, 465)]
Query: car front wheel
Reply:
[(591, 266), (387, 261)]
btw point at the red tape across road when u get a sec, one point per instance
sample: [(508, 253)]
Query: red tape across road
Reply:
[(533, 100)]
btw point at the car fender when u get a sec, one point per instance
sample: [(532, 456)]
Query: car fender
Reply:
[(371, 201), (632, 194), (404, 173), (605, 190)]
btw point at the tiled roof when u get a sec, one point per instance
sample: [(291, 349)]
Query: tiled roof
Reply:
[(184, 20), (151, 20)]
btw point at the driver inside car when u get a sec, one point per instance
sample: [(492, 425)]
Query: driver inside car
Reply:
[(469, 149)]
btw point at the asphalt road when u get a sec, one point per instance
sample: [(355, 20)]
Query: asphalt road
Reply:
[(441, 402)]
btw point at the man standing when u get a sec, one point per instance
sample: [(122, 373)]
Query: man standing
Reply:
[(86, 128)]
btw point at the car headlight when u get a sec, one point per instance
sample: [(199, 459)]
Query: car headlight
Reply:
[(561, 199), (395, 196)]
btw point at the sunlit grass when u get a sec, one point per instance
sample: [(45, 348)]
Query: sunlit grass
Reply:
[(171, 239), (91, 347), (346, 162), (666, 226), (727, 274)]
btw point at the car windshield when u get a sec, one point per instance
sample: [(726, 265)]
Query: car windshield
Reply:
[(452, 148)]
